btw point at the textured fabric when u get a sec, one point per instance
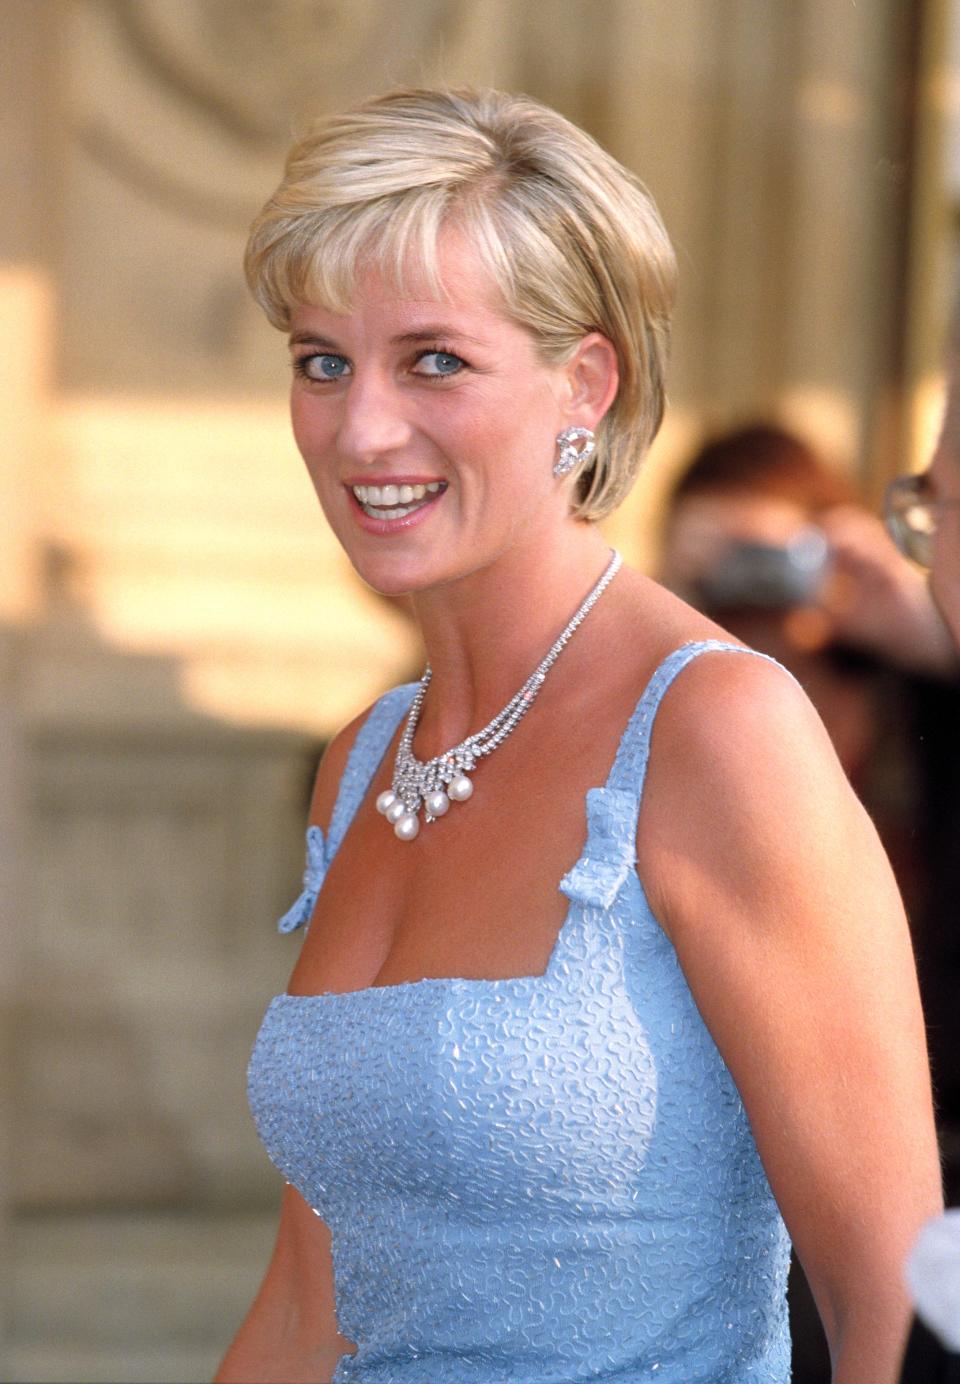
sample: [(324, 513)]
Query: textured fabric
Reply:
[(372, 739), (549, 1179)]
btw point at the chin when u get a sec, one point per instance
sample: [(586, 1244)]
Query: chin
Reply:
[(392, 589), (396, 579)]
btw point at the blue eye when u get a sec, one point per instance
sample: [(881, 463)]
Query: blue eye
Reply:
[(322, 367), (439, 363)]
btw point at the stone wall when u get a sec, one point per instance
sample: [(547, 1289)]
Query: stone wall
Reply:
[(158, 859), (177, 630)]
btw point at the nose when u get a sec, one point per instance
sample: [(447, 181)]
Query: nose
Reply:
[(373, 422)]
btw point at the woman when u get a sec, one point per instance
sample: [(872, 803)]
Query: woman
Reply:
[(538, 1133)]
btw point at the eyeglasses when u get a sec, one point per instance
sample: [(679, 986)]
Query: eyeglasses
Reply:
[(911, 515)]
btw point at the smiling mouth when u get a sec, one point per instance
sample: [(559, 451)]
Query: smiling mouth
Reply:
[(395, 501)]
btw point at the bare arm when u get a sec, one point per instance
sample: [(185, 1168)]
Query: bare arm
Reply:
[(768, 877), (290, 1334)]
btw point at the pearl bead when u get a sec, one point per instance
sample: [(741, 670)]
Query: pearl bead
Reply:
[(386, 799), (460, 789), (436, 803), (407, 826), (395, 811)]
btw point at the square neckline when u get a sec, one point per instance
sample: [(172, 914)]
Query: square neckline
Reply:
[(634, 737)]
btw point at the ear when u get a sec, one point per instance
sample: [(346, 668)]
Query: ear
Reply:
[(592, 378)]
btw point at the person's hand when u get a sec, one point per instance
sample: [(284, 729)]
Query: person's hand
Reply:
[(879, 602)]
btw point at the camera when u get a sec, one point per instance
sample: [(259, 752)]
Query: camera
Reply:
[(767, 576)]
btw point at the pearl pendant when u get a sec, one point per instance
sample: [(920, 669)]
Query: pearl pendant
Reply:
[(395, 811), (406, 826), (460, 789), (386, 800), (436, 803)]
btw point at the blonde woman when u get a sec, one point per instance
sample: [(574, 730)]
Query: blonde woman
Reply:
[(606, 983)]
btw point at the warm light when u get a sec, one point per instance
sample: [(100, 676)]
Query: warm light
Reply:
[(926, 420), (198, 538), (26, 350)]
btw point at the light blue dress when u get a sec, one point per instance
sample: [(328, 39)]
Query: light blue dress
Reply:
[(549, 1179)]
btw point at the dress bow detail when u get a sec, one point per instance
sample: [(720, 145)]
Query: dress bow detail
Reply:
[(610, 853), (313, 875)]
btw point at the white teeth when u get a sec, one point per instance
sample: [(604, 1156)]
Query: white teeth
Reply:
[(389, 496), (389, 513)]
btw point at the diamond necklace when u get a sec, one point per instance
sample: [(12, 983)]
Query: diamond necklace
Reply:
[(444, 779)]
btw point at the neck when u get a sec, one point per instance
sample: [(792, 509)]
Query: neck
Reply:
[(485, 633)]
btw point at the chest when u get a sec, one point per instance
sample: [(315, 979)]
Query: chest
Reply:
[(476, 894), (504, 1098), (489, 1097)]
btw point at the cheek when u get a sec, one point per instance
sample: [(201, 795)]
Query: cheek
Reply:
[(311, 432), (508, 444), (945, 568), (298, 422), (947, 547), (311, 429)]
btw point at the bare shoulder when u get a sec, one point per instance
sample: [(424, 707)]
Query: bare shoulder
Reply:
[(746, 799), (734, 715)]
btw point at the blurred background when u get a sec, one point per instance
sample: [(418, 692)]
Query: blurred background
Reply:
[(179, 633)]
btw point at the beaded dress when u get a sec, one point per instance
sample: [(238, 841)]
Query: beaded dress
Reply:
[(550, 1179)]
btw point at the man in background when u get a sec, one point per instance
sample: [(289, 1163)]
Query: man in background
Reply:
[(923, 513), (767, 538)]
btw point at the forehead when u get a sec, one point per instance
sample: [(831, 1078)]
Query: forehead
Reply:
[(402, 266), (458, 279), (458, 294)]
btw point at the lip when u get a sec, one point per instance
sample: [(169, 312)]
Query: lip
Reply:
[(388, 526), (367, 479)]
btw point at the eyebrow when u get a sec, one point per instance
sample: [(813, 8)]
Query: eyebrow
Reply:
[(431, 333), (428, 333), (310, 339)]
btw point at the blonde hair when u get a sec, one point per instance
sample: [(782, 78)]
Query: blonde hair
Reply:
[(572, 239)]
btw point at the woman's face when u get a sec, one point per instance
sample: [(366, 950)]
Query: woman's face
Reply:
[(943, 478), (428, 427)]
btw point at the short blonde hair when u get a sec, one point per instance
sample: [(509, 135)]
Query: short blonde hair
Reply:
[(572, 239)]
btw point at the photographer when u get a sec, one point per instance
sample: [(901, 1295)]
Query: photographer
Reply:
[(765, 538), (923, 516)]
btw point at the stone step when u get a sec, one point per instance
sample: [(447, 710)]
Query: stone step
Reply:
[(129, 1298), (79, 1362)]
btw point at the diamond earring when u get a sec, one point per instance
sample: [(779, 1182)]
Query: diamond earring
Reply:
[(570, 454)]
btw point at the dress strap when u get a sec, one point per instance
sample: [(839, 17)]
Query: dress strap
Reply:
[(610, 854), (629, 769), (364, 759), (365, 755)]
